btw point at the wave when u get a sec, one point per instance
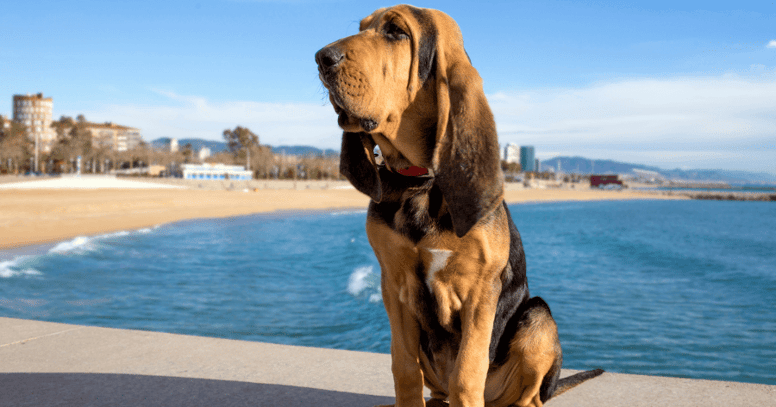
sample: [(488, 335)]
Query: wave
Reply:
[(79, 245), (13, 268), (364, 281), (85, 244)]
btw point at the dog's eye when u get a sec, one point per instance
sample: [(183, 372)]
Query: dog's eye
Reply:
[(392, 30)]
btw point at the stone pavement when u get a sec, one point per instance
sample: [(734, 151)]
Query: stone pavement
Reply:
[(51, 364)]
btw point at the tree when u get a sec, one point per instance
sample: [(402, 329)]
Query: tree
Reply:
[(244, 145), (263, 161), (510, 166), (74, 139), (188, 153), (15, 147), (239, 139)]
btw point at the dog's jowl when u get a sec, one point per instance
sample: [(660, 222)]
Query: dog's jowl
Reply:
[(453, 268)]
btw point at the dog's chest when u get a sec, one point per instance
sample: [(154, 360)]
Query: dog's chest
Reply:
[(423, 277)]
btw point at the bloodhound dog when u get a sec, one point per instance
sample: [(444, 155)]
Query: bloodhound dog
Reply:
[(453, 267)]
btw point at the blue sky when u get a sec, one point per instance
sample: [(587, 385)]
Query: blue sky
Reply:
[(668, 83)]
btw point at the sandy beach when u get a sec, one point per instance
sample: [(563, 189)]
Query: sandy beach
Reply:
[(48, 212)]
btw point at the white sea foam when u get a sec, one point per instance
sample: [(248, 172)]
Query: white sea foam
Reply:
[(364, 281), (145, 231), (84, 244), (14, 268), (358, 282), (120, 233), (78, 245)]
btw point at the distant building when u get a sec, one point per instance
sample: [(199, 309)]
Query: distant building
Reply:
[(114, 137), (203, 153), (527, 159), (511, 153), (601, 181), (35, 111), (215, 172), (174, 145)]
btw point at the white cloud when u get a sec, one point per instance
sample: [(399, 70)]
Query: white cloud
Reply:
[(696, 122), (771, 44), (182, 116), (706, 122)]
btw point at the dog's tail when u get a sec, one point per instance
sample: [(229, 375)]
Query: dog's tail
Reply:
[(567, 383)]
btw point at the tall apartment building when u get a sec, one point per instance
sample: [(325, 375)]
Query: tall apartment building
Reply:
[(511, 153), (174, 145), (114, 137), (35, 111), (527, 159)]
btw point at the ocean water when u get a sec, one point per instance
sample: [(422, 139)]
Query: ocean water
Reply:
[(673, 288), (734, 189)]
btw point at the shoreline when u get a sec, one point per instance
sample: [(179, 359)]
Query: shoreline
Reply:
[(32, 217)]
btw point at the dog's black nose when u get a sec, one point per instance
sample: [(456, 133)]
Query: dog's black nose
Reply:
[(328, 57)]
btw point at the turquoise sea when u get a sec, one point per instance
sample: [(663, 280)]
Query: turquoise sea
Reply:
[(673, 288)]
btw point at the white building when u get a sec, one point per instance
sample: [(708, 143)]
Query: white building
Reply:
[(34, 112), (114, 137), (215, 172), (512, 153)]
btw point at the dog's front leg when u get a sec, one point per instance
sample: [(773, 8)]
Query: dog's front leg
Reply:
[(467, 384), (405, 362)]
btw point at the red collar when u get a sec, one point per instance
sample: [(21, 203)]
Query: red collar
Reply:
[(413, 171)]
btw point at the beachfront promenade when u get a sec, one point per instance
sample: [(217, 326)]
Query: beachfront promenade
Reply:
[(51, 364)]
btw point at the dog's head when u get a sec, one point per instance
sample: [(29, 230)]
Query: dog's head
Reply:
[(405, 83)]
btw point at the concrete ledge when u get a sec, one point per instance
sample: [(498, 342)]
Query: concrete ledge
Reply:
[(50, 364)]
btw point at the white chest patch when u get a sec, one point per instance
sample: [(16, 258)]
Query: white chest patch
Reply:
[(439, 259)]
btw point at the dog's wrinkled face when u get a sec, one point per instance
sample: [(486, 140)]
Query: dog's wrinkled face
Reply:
[(367, 73), (372, 79)]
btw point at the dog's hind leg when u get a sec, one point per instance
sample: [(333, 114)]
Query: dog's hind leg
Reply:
[(530, 372)]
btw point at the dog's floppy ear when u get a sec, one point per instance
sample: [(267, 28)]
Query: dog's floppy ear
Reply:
[(466, 157), (357, 164)]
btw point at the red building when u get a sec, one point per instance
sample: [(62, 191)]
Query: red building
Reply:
[(598, 181)]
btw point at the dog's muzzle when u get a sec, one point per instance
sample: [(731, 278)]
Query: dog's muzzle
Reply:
[(328, 58)]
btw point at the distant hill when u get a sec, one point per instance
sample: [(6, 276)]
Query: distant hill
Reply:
[(732, 177), (220, 146), (582, 165), (579, 165)]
